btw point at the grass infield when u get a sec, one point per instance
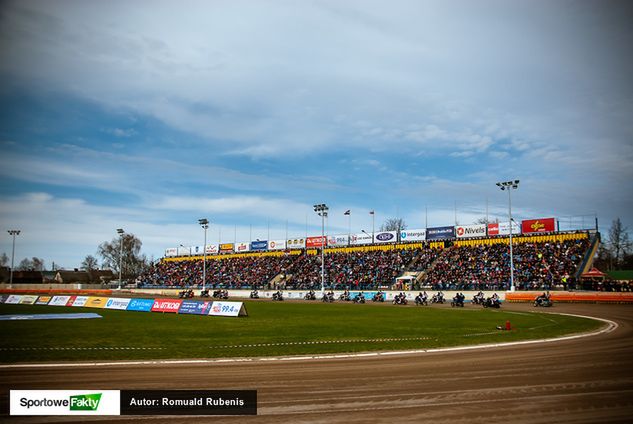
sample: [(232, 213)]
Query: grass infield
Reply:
[(271, 329)]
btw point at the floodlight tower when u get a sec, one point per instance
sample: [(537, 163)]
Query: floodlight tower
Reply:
[(204, 223), (121, 232), (12, 233), (321, 210), (509, 186)]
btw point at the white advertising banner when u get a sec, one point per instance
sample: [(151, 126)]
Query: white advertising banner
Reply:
[(413, 235), (80, 301), (184, 251), (362, 238), (65, 402), (228, 309), (277, 245), (338, 240), (117, 303), (28, 300), (242, 246), (212, 249), (298, 243), (171, 252), (59, 300), (386, 237), (503, 229), (14, 299), (469, 231)]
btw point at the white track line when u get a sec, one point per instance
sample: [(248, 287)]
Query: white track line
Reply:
[(611, 326)]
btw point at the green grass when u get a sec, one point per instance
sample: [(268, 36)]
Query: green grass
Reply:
[(354, 328)]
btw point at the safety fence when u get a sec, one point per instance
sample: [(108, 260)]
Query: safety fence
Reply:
[(574, 297)]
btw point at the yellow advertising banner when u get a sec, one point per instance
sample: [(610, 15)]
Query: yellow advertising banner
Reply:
[(96, 302)]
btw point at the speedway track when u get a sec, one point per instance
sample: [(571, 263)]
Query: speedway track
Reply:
[(585, 380)]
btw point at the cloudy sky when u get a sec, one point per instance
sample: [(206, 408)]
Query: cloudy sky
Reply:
[(147, 115)]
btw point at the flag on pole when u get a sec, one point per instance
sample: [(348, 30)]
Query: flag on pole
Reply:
[(348, 212), (371, 212)]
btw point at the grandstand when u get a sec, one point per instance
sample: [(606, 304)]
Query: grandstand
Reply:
[(541, 261)]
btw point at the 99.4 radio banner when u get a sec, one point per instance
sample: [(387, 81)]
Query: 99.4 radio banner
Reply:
[(133, 402)]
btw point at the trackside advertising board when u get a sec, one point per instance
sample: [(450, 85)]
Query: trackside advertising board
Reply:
[(59, 300), (503, 229), (166, 305), (96, 302), (259, 245), (362, 238), (117, 303), (298, 243), (43, 300), (385, 237), (340, 240), (140, 305), (276, 244), (65, 402), (228, 309), (80, 301), (195, 307), (3, 297), (28, 300), (312, 242), (542, 225), (14, 299)]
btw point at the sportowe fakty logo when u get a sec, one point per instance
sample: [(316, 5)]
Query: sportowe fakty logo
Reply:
[(85, 402)]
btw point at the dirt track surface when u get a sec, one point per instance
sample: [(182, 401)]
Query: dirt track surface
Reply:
[(586, 380)]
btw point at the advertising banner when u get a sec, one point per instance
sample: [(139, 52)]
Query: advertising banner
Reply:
[(171, 252), (438, 233), (117, 303), (184, 251), (3, 297), (140, 305), (259, 245), (361, 238), (541, 225), (413, 235), (28, 300), (503, 229), (71, 300), (80, 301), (59, 300), (196, 250), (242, 246), (166, 305), (43, 300), (96, 302), (298, 243), (386, 237), (228, 309), (312, 242), (14, 299), (469, 231), (195, 307), (226, 248), (212, 249), (277, 245), (338, 240)]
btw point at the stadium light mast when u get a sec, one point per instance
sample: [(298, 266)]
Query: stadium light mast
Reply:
[(12, 233), (321, 210), (509, 186), (121, 232), (373, 215), (204, 223)]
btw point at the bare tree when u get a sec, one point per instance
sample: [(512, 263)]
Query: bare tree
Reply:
[(393, 224), (619, 243), (89, 263), (33, 264), (133, 262), (4, 259)]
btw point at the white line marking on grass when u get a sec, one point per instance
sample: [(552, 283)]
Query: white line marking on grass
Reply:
[(611, 326)]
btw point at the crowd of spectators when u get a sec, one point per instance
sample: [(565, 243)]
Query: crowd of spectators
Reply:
[(542, 265), (235, 273), (349, 270), (487, 267)]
